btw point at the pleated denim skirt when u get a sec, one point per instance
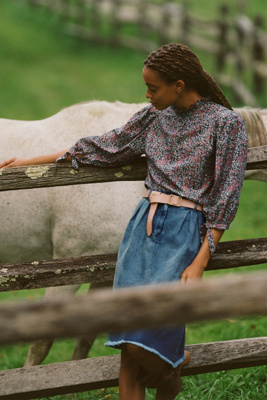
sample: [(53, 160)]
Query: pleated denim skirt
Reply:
[(159, 258)]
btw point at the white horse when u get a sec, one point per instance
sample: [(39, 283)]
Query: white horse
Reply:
[(256, 127), (74, 220), (66, 221)]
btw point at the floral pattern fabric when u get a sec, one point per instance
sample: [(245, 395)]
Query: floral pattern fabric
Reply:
[(198, 153)]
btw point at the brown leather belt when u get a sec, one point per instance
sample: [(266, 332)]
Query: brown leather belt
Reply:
[(157, 197)]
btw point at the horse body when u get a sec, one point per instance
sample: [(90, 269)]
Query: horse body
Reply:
[(66, 221), (75, 220), (57, 222), (256, 126)]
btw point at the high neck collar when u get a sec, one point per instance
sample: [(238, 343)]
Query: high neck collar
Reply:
[(200, 104)]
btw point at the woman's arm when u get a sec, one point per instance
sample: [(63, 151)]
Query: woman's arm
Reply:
[(46, 159), (196, 268)]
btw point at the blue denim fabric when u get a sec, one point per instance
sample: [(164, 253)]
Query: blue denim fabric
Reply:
[(162, 257)]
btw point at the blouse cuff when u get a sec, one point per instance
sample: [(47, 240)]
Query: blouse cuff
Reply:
[(206, 230), (212, 245), (74, 161)]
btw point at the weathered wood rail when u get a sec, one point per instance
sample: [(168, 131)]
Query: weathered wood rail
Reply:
[(62, 174), (101, 268), (104, 310), (101, 372)]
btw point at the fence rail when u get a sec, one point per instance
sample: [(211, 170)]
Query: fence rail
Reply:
[(238, 42), (102, 372), (104, 310), (101, 268), (62, 174)]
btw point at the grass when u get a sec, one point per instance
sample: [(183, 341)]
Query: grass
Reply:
[(251, 220), (42, 71), (240, 384), (209, 8)]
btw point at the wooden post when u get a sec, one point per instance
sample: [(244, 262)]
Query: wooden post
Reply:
[(241, 33), (114, 23), (81, 13), (223, 28), (165, 23), (95, 18), (258, 54), (64, 10), (143, 26), (185, 24), (32, 3)]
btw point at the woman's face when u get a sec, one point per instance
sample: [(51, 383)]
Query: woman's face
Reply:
[(160, 94)]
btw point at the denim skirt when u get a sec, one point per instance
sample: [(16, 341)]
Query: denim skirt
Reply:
[(159, 258)]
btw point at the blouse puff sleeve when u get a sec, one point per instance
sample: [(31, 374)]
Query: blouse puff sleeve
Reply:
[(230, 166), (115, 147)]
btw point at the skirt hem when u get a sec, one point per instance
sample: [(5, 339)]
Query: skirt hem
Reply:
[(117, 345)]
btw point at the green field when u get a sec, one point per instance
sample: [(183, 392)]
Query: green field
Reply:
[(42, 71), (209, 8)]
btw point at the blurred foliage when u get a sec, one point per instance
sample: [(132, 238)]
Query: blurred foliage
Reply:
[(43, 70)]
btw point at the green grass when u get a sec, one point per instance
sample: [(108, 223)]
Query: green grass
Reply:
[(42, 71), (209, 8), (251, 218)]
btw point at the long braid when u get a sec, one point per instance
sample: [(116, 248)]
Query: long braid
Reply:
[(177, 62), (215, 92)]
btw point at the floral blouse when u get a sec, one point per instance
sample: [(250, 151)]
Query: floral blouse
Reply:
[(198, 153)]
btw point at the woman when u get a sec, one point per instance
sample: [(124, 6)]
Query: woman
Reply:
[(196, 154)]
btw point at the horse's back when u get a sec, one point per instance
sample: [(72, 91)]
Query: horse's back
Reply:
[(64, 221)]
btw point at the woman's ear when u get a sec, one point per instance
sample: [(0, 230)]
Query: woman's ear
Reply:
[(180, 85)]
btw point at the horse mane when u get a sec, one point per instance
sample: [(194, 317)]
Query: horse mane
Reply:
[(255, 127)]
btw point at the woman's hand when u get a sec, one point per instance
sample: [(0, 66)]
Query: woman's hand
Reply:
[(192, 272), (13, 162), (196, 268), (46, 159)]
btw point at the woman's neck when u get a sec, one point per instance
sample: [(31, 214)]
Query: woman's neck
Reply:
[(187, 99)]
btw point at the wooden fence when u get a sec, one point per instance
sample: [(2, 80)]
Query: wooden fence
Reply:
[(104, 310), (236, 44)]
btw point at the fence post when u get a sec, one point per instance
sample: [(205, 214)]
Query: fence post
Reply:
[(185, 22), (81, 12), (165, 23), (223, 27), (258, 54), (95, 17), (143, 27), (32, 3), (241, 34), (115, 23)]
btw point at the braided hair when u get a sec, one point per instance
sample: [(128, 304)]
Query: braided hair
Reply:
[(177, 62)]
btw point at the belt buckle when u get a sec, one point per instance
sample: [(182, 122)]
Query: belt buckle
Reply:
[(175, 205)]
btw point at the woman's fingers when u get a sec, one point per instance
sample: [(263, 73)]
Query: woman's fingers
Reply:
[(7, 162), (12, 162)]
